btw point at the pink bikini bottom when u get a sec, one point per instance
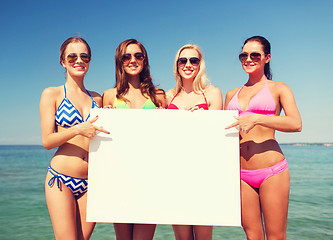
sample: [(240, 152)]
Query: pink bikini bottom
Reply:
[(257, 176)]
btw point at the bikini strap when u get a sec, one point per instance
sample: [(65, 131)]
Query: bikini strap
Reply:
[(205, 98), (65, 90), (174, 97)]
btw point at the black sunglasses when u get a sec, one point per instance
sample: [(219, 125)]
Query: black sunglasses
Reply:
[(255, 56), (193, 60), (138, 56), (72, 57)]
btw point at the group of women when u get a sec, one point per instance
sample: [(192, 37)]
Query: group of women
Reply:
[(264, 172)]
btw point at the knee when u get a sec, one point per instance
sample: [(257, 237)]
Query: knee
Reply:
[(254, 235)]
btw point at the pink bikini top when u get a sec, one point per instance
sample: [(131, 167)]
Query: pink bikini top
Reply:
[(261, 103), (202, 105)]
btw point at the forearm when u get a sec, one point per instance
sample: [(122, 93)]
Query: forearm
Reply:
[(54, 140), (280, 123)]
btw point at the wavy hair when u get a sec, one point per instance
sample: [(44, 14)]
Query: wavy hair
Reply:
[(201, 80), (146, 84)]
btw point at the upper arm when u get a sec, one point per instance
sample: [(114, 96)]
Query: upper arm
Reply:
[(288, 102), (214, 98), (228, 97), (47, 108), (109, 97)]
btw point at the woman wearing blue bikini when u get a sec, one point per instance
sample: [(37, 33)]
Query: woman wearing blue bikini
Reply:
[(65, 124), (264, 169), (134, 90)]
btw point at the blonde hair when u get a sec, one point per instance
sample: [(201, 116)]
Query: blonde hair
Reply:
[(201, 80)]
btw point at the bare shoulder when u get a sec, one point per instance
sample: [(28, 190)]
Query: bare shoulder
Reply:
[(110, 92), (52, 92), (109, 96), (170, 93), (95, 94), (232, 92), (278, 87), (212, 90)]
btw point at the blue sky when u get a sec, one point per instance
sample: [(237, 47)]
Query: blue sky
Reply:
[(300, 33)]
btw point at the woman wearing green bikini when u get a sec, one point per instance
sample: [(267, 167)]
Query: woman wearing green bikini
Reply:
[(134, 90), (134, 87)]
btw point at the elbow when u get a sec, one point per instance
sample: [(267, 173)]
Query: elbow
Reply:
[(298, 127), (46, 145)]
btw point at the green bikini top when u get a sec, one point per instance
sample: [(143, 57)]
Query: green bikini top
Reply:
[(119, 103)]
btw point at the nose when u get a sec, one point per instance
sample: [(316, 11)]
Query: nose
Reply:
[(188, 63)]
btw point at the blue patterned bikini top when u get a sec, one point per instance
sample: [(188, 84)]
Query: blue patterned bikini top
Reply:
[(67, 115)]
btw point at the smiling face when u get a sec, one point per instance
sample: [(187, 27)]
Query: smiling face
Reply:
[(134, 66), (77, 68), (254, 65), (188, 71)]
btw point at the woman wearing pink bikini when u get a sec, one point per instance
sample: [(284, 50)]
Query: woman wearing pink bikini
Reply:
[(264, 170), (192, 93)]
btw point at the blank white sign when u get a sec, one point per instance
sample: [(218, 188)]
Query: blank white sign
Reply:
[(165, 167)]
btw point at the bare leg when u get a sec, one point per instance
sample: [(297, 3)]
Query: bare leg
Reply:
[(62, 209), (251, 212), (124, 231), (203, 232), (183, 232), (274, 195), (143, 231), (84, 228)]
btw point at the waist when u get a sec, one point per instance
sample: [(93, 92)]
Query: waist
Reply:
[(255, 155)]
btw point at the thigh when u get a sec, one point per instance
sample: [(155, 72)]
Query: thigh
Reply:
[(274, 195), (143, 231), (124, 231), (183, 232), (84, 228), (251, 212), (62, 208), (203, 232)]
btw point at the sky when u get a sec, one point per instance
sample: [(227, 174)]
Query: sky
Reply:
[(32, 32)]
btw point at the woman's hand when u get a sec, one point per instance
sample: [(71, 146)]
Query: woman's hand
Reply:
[(245, 123), (87, 129), (194, 108), (108, 107)]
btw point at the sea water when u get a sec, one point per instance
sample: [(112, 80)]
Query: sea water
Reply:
[(24, 214)]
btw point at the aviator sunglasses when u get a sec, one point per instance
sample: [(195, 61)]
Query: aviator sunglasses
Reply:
[(255, 56), (72, 57), (193, 60), (138, 56)]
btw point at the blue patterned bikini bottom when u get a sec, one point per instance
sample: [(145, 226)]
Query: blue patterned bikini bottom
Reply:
[(78, 186)]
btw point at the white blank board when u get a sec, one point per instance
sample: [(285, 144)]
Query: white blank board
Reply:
[(165, 167)]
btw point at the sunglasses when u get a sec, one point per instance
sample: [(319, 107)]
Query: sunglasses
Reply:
[(138, 56), (72, 57), (255, 56), (193, 60)]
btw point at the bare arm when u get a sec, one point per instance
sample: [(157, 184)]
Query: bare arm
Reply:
[(214, 98)]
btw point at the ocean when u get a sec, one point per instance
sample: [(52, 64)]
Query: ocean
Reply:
[(24, 215)]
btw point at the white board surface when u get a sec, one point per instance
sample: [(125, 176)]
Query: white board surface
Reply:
[(165, 167)]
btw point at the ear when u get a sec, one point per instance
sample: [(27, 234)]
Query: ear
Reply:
[(63, 63), (268, 58)]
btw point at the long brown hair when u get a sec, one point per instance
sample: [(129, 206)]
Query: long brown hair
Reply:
[(146, 84)]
